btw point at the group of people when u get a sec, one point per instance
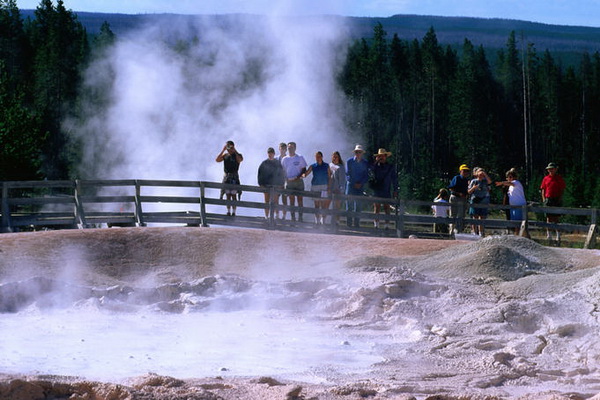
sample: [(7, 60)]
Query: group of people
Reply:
[(289, 169), (464, 191)]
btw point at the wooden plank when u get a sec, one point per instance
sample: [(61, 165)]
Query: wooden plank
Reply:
[(159, 183), (107, 199), (104, 182), (39, 184), (562, 210), (42, 220), (169, 199), (22, 201)]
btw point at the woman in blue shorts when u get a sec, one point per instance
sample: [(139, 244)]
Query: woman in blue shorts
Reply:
[(320, 183)]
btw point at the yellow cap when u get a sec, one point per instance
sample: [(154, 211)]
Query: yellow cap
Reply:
[(464, 167)]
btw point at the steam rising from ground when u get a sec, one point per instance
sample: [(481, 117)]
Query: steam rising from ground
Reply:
[(163, 100), (501, 317)]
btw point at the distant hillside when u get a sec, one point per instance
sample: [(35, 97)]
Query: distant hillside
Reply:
[(491, 33)]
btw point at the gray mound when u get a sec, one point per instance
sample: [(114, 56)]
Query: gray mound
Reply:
[(505, 258)]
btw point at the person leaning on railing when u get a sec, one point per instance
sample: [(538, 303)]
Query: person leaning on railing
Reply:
[(516, 195)]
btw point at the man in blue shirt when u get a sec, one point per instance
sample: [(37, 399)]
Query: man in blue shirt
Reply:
[(357, 175), (459, 188)]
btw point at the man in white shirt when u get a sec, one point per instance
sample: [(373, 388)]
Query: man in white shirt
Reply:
[(294, 166)]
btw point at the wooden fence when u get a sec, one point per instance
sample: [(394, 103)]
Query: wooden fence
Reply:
[(82, 204)]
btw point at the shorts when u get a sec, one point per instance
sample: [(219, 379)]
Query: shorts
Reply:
[(516, 214), (320, 188), (440, 228), (231, 179), (480, 212), (553, 202), (297, 184), (383, 194)]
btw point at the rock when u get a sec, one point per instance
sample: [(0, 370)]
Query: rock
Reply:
[(269, 381), (294, 394), (156, 380), (18, 389)]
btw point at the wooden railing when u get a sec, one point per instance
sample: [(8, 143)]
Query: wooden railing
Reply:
[(94, 203)]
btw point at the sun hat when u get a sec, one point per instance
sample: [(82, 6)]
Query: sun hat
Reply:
[(383, 152), (359, 148), (552, 165), (464, 167)]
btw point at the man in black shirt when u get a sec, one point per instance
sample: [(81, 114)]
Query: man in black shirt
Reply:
[(231, 164)]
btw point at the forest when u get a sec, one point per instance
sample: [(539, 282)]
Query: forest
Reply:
[(440, 107), (434, 106)]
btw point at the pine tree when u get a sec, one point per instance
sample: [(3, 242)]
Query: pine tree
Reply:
[(60, 50), (472, 117), (512, 140)]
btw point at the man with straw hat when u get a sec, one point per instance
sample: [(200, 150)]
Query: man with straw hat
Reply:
[(384, 183), (552, 189)]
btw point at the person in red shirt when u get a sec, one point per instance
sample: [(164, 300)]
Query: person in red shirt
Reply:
[(552, 189)]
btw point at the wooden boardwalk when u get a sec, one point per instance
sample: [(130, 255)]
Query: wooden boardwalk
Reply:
[(32, 205)]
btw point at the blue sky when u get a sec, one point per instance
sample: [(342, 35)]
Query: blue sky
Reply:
[(563, 12)]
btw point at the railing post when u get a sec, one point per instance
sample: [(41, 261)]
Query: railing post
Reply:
[(203, 220), (334, 216), (524, 229), (460, 222), (400, 219), (79, 213), (272, 206), (5, 210), (590, 240), (139, 216)]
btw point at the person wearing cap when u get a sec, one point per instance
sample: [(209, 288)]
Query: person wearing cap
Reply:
[(552, 190), (384, 183), (357, 175), (459, 188), (231, 160), (270, 174)]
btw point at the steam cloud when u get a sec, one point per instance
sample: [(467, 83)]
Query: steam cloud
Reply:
[(178, 89)]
